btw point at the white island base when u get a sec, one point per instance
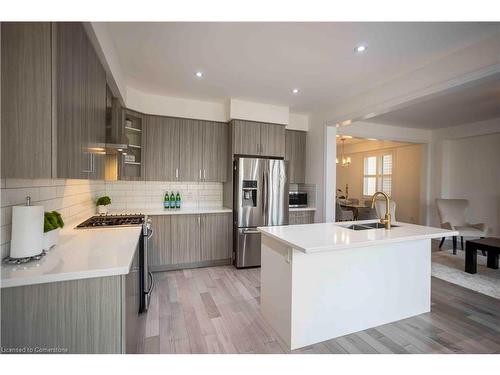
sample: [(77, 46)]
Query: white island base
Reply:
[(309, 297)]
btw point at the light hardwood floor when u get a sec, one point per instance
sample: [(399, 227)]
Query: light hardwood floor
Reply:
[(216, 310)]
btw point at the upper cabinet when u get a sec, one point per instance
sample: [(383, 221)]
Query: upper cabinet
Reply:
[(295, 153), (185, 149), (53, 102), (80, 99), (258, 138), (133, 133), (26, 100)]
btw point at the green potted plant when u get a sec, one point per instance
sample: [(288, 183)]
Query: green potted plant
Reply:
[(102, 204), (52, 224)]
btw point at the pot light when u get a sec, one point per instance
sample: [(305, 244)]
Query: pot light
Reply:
[(360, 49), (199, 74), (295, 91)]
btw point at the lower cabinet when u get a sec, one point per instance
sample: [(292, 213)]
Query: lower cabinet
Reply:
[(188, 241), (97, 315), (301, 217)]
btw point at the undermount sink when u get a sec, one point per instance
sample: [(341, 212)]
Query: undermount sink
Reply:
[(368, 226)]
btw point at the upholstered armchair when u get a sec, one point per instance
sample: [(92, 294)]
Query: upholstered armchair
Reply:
[(380, 207), (342, 215), (452, 216)]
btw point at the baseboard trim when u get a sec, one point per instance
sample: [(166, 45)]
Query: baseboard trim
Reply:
[(184, 266)]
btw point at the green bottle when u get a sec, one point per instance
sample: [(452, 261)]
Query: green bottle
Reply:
[(178, 201), (166, 201), (172, 200)]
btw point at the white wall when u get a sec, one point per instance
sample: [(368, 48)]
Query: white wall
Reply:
[(298, 121), (246, 110), (176, 107), (471, 168)]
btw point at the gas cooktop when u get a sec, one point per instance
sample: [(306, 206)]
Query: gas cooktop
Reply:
[(100, 221)]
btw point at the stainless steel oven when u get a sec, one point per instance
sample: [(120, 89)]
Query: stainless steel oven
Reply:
[(297, 199)]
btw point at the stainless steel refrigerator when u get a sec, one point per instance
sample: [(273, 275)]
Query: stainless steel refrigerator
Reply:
[(260, 199)]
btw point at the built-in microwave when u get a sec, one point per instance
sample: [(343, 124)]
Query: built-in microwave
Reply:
[(297, 199)]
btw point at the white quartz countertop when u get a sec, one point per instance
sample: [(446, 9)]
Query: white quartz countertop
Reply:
[(312, 238), (296, 209), (80, 254), (181, 211)]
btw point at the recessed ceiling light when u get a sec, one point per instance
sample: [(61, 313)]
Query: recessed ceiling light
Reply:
[(360, 49), (199, 74), (295, 91)]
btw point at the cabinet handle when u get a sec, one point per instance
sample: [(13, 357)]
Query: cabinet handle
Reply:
[(199, 220), (204, 174), (200, 174), (177, 173)]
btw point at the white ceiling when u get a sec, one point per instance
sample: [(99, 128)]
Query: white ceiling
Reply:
[(264, 61), (469, 104)]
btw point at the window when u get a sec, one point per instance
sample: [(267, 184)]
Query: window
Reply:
[(377, 174)]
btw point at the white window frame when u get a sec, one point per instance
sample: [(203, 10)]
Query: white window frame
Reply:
[(379, 175)]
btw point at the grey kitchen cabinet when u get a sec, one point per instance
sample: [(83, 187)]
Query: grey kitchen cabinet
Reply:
[(53, 102), (26, 86), (189, 241), (95, 315), (80, 100), (258, 138), (272, 140), (185, 235), (215, 151), (162, 148), (301, 217), (216, 236), (246, 137), (295, 154), (160, 253), (190, 157), (185, 149)]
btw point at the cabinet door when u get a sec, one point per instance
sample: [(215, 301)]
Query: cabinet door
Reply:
[(73, 157), (246, 137), (160, 250), (190, 142), (95, 109), (295, 153), (216, 236), (162, 148), (185, 234), (26, 100), (215, 152), (272, 140)]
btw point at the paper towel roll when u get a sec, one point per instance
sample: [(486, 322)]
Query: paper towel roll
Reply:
[(27, 231)]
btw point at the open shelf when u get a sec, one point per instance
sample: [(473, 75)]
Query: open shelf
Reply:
[(133, 129), (132, 162)]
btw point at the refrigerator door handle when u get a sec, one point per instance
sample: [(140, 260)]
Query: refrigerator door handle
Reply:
[(265, 187), (249, 231)]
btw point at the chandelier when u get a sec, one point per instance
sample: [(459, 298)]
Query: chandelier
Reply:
[(344, 161)]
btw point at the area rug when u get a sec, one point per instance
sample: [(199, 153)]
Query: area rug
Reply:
[(449, 267)]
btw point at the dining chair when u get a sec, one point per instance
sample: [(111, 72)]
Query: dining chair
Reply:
[(341, 214), (452, 215), (380, 207)]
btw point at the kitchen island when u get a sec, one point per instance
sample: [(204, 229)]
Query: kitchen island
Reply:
[(321, 281)]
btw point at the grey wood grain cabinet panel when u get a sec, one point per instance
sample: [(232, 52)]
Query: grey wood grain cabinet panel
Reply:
[(215, 151), (272, 140), (216, 236), (190, 157), (295, 153), (162, 148), (73, 157), (160, 253), (82, 316), (246, 137), (301, 217), (26, 86), (131, 295), (185, 230)]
